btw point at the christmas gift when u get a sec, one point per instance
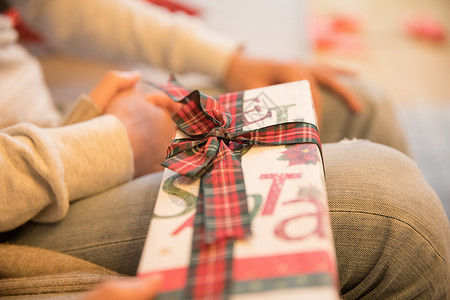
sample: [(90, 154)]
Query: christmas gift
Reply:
[(242, 209)]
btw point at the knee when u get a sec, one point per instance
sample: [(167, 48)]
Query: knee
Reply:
[(386, 220), (372, 176)]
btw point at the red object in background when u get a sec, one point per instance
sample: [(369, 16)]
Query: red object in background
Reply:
[(175, 6), (346, 23), (25, 34), (338, 33), (425, 27)]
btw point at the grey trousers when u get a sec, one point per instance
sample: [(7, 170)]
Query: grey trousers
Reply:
[(391, 233)]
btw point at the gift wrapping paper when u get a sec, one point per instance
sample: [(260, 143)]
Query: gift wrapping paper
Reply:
[(290, 252)]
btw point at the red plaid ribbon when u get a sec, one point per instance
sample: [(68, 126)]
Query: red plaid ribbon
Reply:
[(211, 151)]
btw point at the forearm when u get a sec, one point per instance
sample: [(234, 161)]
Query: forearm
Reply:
[(42, 170), (130, 30)]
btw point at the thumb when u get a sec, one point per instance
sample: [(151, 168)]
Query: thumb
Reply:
[(112, 83), (124, 79), (164, 101)]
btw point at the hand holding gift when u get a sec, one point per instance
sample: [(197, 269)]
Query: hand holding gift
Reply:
[(147, 118), (247, 73), (233, 214)]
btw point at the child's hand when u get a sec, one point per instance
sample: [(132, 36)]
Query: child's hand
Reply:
[(247, 73), (111, 84), (146, 118), (150, 128), (126, 289), (163, 101)]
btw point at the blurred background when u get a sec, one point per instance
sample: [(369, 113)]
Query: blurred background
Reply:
[(403, 47)]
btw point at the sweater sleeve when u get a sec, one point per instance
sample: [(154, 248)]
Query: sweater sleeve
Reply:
[(84, 109), (132, 30), (42, 170), (22, 84)]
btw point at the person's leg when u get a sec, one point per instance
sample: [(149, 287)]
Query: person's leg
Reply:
[(376, 122), (390, 230), (391, 233), (27, 271), (108, 229)]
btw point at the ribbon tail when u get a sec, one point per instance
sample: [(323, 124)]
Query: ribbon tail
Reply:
[(225, 199), (211, 265)]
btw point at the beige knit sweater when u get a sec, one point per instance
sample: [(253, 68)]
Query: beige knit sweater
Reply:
[(42, 170), (130, 30), (117, 30)]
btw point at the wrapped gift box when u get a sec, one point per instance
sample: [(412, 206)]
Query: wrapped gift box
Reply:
[(290, 252)]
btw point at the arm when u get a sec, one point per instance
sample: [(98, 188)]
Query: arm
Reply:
[(137, 31), (42, 170), (21, 80), (131, 30)]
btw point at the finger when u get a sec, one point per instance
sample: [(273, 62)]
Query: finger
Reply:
[(337, 70), (347, 95), (344, 71), (124, 289), (126, 80), (292, 72), (112, 83), (147, 287), (298, 71), (163, 101), (116, 81), (257, 83)]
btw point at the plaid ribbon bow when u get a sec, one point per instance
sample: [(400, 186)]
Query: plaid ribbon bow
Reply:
[(212, 151)]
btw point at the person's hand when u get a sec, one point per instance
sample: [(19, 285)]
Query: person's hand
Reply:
[(147, 120), (247, 73), (111, 84), (163, 101), (327, 78), (126, 289)]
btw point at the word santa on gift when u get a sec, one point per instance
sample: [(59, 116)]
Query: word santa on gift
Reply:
[(258, 206)]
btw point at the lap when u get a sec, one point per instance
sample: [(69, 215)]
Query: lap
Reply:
[(391, 232), (108, 229)]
